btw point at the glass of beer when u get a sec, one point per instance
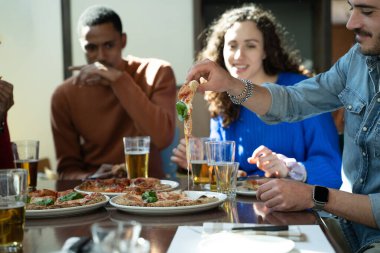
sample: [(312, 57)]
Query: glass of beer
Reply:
[(201, 171), (221, 155), (136, 151), (25, 153), (13, 195)]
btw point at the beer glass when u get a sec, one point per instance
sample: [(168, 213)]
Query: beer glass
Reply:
[(25, 153), (136, 151), (13, 195), (201, 171), (221, 155)]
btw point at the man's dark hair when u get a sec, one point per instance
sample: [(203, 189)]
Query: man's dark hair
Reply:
[(96, 15)]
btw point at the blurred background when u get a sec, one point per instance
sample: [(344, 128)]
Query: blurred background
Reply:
[(39, 41)]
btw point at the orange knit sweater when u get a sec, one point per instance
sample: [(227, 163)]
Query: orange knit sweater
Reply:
[(89, 122)]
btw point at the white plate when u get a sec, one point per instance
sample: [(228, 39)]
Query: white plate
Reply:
[(67, 211), (173, 185), (226, 242), (177, 209), (242, 190)]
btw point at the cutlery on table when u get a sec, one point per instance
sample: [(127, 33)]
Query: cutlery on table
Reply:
[(263, 228)]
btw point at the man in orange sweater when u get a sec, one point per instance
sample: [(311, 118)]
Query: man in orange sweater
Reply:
[(108, 99), (6, 102)]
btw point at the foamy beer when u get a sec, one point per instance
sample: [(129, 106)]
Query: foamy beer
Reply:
[(25, 155), (136, 151), (13, 195)]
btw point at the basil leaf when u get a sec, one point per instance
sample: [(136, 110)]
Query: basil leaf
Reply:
[(71, 196), (149, 197), (181, 110), (45, 202)]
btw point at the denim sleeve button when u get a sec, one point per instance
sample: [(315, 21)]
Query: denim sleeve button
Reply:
[(378, 100), (364, 154), (361, 180), (349, 107), (365, 129)]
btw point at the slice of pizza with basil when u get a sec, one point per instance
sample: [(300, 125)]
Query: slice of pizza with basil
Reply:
[(48, 199), (184, 111)]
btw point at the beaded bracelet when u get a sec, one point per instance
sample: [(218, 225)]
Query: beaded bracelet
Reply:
[(244, 95)]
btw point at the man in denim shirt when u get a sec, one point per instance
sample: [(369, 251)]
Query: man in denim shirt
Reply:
[(352, 83)]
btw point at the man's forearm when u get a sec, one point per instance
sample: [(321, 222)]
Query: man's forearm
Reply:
[(74, 173), (353, 207)]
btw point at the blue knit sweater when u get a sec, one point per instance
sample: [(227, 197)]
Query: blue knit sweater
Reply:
[(313, 142)]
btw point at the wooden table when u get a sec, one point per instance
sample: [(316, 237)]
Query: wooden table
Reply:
[(49, 235)]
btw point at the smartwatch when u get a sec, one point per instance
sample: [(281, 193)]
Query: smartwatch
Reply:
[(320, 197)]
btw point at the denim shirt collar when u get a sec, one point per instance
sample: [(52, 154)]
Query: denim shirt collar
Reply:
[(372, 61)]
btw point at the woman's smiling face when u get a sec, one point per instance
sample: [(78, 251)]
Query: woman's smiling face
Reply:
[(243, 51)]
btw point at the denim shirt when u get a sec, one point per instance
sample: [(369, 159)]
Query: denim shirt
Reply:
[(352, 83)]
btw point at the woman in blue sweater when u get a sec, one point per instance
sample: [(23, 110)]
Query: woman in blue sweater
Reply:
[(249, 43)]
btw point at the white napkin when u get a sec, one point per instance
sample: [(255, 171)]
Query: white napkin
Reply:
[(293, 233)]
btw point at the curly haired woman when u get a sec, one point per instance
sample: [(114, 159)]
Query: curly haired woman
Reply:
[(250, 44)]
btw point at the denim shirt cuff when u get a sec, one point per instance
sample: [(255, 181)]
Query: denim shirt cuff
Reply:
[(276, 111), (375, 204)]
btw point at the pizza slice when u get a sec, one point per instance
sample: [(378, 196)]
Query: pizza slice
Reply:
[(161, 199), (184, 110), (49, 199)]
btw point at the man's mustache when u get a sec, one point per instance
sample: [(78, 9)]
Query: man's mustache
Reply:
[(362, 32)]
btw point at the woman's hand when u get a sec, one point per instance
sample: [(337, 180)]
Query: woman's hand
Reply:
[(179, 154), (270, 162)]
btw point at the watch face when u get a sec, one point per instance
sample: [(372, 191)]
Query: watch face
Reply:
[(321, 194)]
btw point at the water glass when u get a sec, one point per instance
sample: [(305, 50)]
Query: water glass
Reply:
[(221, 155), (226, 177), (115, 237), (25, 154), (13, 195), (136, 151)]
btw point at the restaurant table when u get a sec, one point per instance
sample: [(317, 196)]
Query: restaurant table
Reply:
[(49, 234)]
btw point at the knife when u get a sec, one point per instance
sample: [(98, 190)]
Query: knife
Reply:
[(263, 228)]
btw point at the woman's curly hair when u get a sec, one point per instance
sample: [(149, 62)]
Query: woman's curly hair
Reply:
[(280, 56)]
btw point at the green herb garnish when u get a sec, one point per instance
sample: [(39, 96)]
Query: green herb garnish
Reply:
[(181, 110), (149, 196), (71, 196), (45, 202)]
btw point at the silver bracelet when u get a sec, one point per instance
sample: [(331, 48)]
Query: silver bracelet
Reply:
[(244, 95)]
